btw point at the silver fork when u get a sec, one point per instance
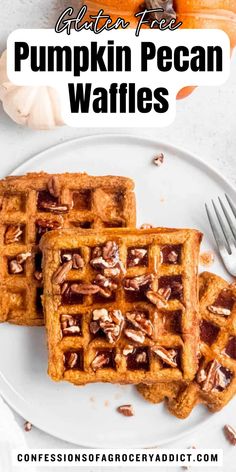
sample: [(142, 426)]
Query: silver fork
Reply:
[(224, 230)]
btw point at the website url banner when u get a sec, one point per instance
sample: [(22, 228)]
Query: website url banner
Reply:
[(118, 457)]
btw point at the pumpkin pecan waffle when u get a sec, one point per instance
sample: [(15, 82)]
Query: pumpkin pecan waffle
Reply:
[(121, 305), (33, 204), (215, 382)]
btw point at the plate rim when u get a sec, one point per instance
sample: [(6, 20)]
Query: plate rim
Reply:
[(184, 154)]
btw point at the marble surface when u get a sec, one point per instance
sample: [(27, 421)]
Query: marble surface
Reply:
[(205, 125)]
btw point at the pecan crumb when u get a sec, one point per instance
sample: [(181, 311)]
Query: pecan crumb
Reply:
[(146, 226), (230, 434), (207, 258), (158, 159), (27, 426), (126, 410)]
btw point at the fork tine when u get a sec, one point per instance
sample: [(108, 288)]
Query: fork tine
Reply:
[(218, 238), (228, 218), (232, 206), (228, 238)]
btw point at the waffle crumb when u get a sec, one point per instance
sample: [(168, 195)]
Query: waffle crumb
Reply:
[(207, 258)]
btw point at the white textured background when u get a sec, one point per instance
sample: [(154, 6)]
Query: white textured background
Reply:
[(205, 125)]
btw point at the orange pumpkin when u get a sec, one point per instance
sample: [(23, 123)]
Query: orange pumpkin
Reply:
[(194, 14)]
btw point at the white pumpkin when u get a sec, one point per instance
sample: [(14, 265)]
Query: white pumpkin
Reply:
[(35, 107)]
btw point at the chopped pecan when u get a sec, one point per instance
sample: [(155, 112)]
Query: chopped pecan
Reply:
[(230, 434), (101, 314), (141, 357), (77, 262), (84, 289), (27, 426), (54, 186), (211, 377), (146, 226), (126, 410), (71, 330), (201, 376), (156, 299), (136, 283), (112, 273), (136, 256), (15, 267), (110, 250), (111, 330), (96, 252), (38, 275), (165, 292), (69, 325), (158, 159), (139, 321), (20, 258), (104, 282), (44, 225), (168, 356), (100, 263), (99, 361), (136, 336), (218, 310), (13, 234), (55, 207), (60, 274), (72, 360), (94, 327), (129, 349), (172, 256)]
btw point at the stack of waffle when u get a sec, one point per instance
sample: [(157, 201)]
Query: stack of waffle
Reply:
[(120, 304)]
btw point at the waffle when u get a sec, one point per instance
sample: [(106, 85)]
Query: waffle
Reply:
[(215, 382), (36, 203), (129, 313)]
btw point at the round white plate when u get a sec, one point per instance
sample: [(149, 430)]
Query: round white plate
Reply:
[(171, 195)]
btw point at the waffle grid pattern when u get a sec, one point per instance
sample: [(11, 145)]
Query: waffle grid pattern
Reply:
[(86, 344), (94, 202)]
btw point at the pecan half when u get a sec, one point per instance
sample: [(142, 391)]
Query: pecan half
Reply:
[(156, 299), (61, 273), (84, 289), (126, 410), (112, 272), (54, 186), (13, 234), (168, 356), (218, 310), (77, 261), (230, 434), (55, 207), (100, 361), (136, 336)]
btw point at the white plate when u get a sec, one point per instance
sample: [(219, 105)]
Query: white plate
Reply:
[(171, 195)]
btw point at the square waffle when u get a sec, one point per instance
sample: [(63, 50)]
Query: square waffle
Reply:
[(121, 305), (215, 382), (36, 203)]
